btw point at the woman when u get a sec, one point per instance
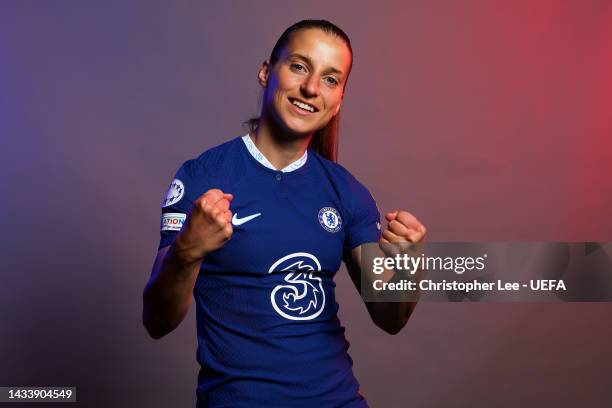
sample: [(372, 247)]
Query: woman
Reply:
[(257, 227)]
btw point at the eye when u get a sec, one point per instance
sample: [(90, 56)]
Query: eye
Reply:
[(331, 80), (297, 67)]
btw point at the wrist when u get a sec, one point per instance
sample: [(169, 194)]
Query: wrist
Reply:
[(184, 255)]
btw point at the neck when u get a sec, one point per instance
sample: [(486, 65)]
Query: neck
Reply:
[(280, 148)]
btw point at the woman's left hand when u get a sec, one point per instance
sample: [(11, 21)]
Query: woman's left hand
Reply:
[(402, 227)]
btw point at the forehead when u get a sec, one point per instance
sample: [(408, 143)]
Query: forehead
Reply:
[(321, 48)]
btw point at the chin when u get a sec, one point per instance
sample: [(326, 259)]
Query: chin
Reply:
[(297, 128)]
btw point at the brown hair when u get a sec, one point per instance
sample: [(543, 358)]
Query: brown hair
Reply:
[(325, 140)]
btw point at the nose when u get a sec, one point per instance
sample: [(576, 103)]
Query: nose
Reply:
[(310, 86)]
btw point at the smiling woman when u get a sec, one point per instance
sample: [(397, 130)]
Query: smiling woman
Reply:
[(320, 57), (256, 228), (305, 83)]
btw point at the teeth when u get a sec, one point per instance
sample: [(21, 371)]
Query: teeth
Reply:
[(303, 106)]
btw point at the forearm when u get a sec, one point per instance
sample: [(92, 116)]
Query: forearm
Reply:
[(168, 294), (393, 316), (389, 316)]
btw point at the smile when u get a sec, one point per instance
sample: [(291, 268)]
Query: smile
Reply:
[(303, 105)]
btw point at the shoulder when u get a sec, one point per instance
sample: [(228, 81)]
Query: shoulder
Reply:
[(212, 160), (342, 178), (354, 195), (199, 174), (207, 170)]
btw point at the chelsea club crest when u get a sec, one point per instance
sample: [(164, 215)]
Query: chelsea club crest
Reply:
[(330, 219)]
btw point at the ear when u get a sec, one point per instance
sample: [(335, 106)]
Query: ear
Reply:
[(264, 73), (337, 109)]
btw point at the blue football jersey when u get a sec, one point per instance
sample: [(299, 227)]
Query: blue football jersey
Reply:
[(268, 331)]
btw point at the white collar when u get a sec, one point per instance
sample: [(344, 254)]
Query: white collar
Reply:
[(257, 155)]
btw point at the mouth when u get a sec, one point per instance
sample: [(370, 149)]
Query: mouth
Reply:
[(303, 106)]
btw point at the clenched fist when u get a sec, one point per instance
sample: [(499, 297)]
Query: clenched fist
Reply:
[(404, 230), (207, 227), (403, 227)]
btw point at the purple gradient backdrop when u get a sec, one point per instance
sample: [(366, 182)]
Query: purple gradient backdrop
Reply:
[(488, 120)]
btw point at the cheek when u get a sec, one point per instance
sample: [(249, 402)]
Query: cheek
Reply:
[(333, 101), (286, 81), (274, 93), (280, 91)]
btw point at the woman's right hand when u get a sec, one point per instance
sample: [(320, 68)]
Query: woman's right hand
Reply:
[(208, 226)]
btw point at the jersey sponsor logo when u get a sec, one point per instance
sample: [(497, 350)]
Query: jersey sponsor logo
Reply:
[(175, 193), (301, 297), (172, 221), (330, 219), (239, 221)]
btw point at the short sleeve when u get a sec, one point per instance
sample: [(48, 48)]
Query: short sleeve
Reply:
[(177, 202), (364, 223)]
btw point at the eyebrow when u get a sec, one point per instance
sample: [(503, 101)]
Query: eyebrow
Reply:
[(309, 61)]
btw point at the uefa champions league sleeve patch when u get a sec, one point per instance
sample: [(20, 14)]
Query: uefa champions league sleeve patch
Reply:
[(175, 193), (330, 219)]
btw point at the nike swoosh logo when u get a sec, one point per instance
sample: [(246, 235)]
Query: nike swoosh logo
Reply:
[(239, 221)]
